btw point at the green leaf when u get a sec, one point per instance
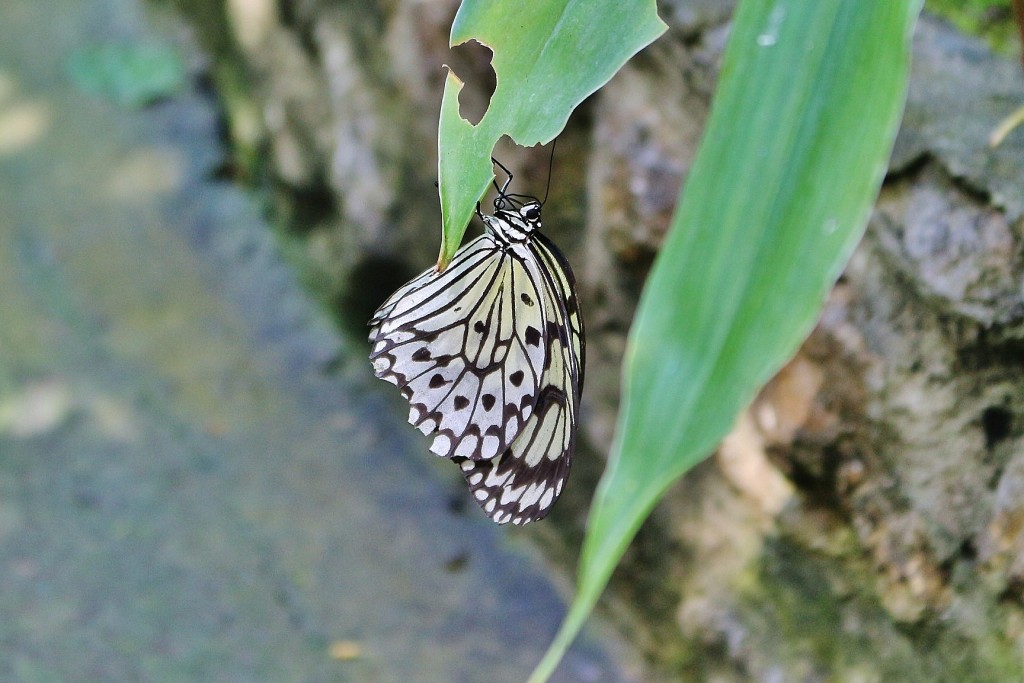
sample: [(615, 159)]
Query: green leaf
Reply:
[(808, 104), (549, 55), (128, 74)]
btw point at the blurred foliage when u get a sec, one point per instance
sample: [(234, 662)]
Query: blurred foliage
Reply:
[(235, 85), (991, 20), (128, 74)]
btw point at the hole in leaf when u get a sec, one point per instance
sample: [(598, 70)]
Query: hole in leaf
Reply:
[(471, 62)]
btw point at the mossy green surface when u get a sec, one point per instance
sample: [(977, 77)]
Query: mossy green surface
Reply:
[(819, 619), (988, 19)]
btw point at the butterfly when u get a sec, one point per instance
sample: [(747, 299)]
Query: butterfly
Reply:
[(490, 355)]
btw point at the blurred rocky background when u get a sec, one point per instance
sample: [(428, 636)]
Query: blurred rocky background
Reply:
[(864, 520), (195, 482)]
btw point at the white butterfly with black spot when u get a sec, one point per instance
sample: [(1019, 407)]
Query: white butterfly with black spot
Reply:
[(490, 355)]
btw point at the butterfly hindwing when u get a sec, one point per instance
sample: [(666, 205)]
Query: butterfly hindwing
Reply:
[(521, 485)]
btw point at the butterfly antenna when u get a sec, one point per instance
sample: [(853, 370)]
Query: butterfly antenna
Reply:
[(551, 164)]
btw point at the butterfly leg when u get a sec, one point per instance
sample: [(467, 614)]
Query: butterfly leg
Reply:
[(508, 181)]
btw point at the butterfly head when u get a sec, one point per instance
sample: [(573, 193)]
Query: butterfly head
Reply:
[(515, 218)]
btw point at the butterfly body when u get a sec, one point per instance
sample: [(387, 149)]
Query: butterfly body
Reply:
[(489, 354)]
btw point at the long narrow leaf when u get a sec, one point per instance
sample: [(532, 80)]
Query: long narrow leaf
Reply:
[(794, 152)]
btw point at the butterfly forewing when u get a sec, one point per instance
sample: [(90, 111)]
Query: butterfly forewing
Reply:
[(451, 342), (410, 301)]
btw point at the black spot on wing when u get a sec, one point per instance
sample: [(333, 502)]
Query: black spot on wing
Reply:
[(532, 336), (556, 331)]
